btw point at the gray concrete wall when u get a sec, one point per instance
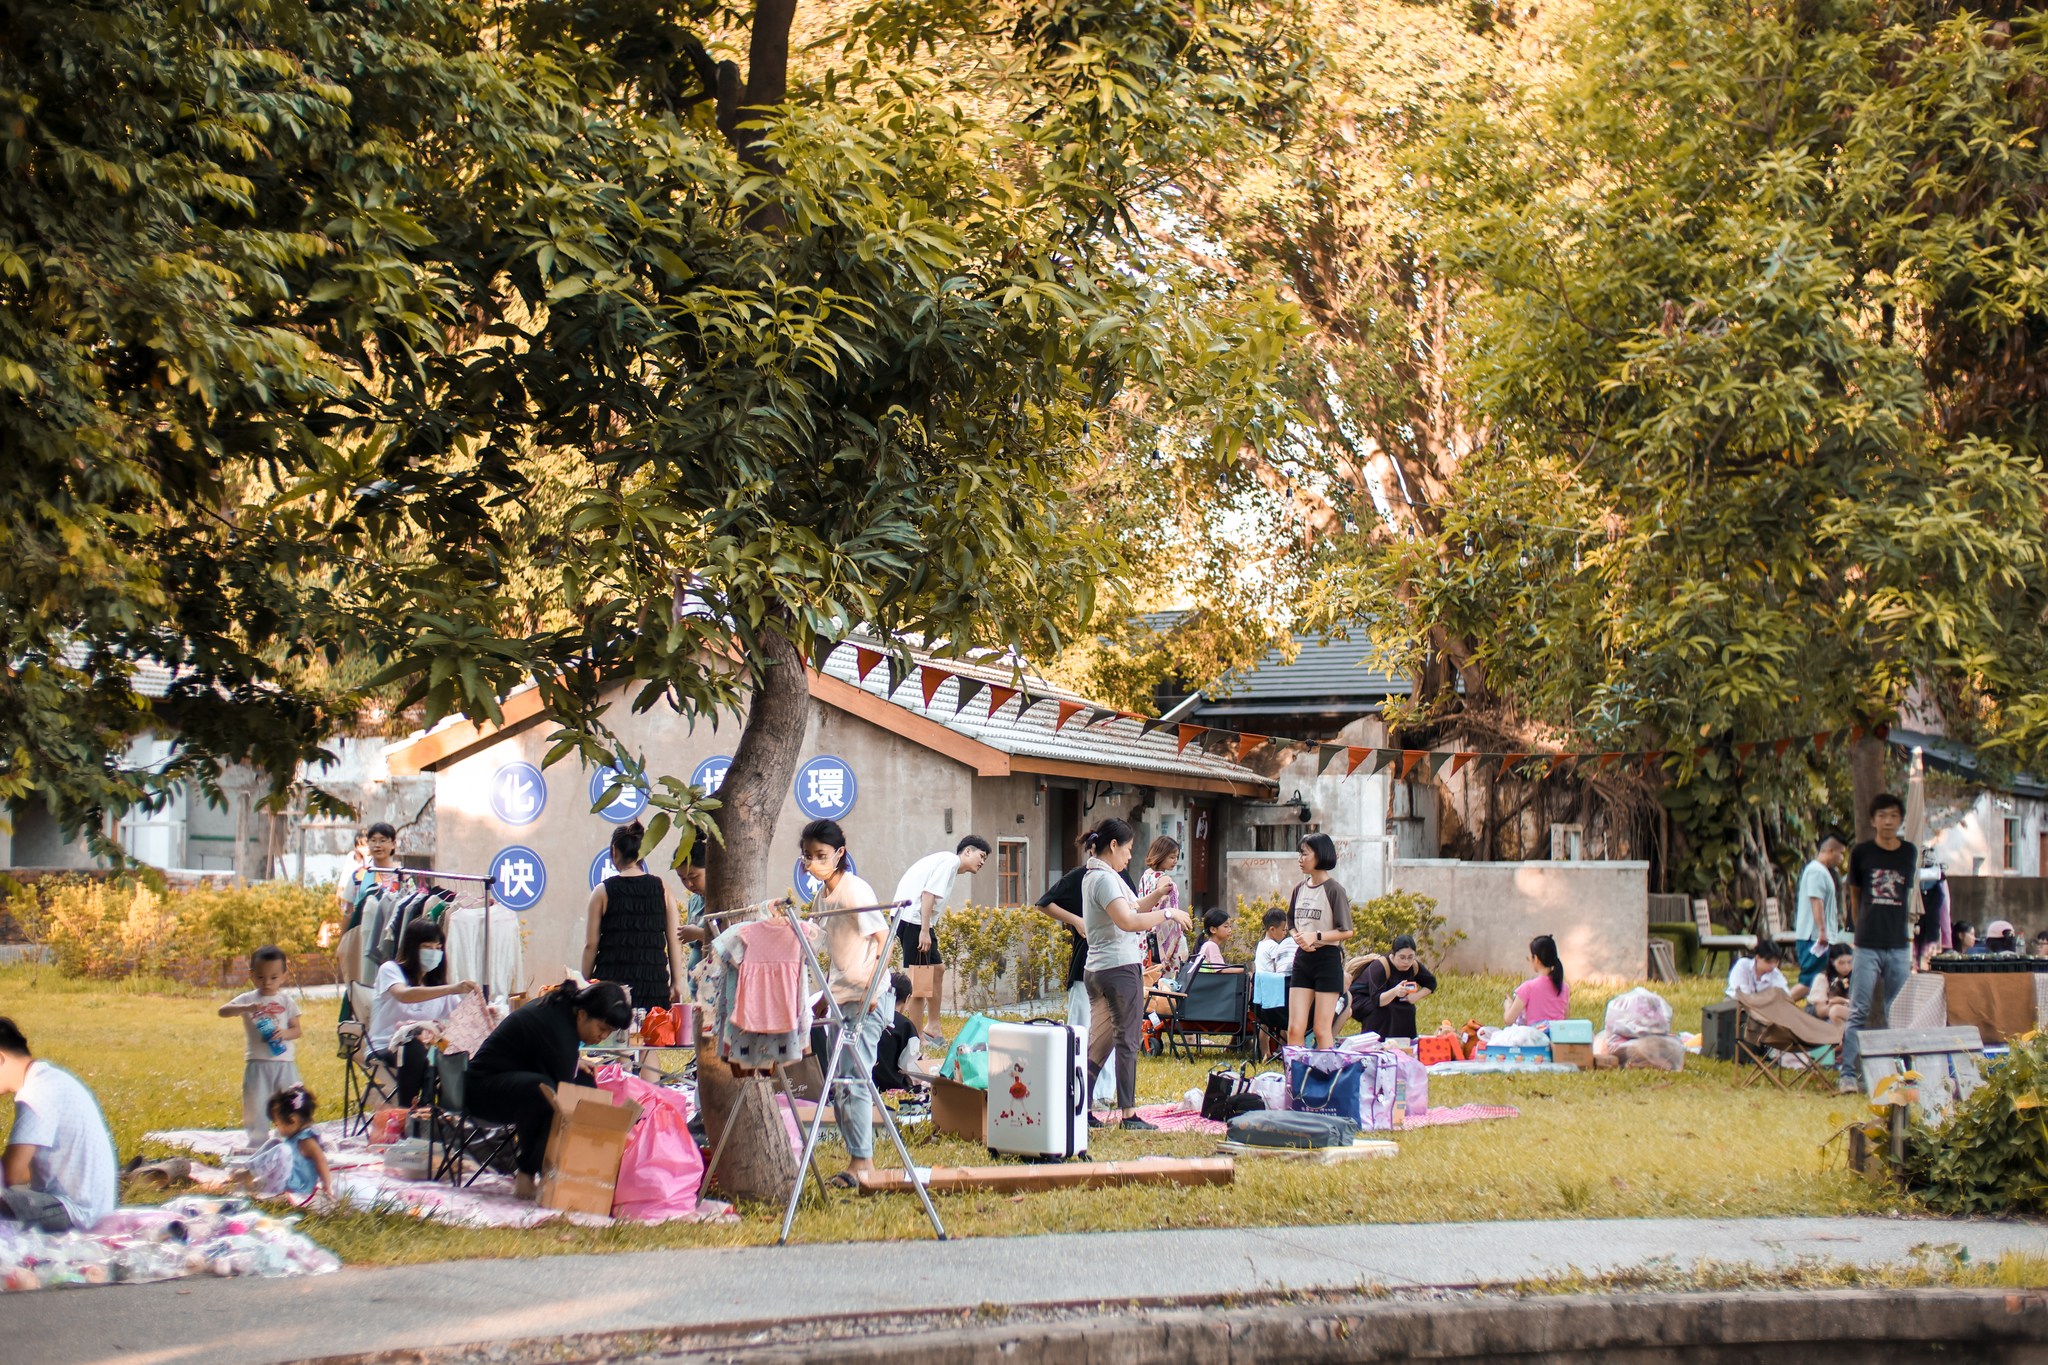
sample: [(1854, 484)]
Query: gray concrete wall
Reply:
[(1980, 900), (898, 815), (1597, 912)]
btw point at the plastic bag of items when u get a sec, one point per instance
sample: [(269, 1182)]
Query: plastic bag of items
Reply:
[(195, 1235), (1639, 1013)]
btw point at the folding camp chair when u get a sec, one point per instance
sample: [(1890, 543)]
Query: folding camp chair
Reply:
[(1769, 1029), (367, 1084), (1713, 944), (462, 1137), (1216, 1003)]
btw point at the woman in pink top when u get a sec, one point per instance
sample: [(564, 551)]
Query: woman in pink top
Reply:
[(1544, 996)]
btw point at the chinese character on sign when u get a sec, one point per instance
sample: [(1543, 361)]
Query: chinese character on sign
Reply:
[(710, 774), (519, 878), (825, 788), (625, 804), (601, 867), (518, 793)]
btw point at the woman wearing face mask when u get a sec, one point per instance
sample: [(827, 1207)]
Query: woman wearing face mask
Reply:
[(412, 988), (856, 948)]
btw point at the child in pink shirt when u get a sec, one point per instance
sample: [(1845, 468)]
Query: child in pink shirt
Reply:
[(1544, 996)]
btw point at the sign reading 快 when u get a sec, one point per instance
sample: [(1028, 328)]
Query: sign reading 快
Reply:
[(518, 793), (519, 877), (601, 867), (626, 803), (825, 788)]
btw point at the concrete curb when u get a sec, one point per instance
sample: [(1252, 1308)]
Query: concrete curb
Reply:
[(1907, 1325)]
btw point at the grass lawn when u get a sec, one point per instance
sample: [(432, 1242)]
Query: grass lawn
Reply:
[(1605, 1144)]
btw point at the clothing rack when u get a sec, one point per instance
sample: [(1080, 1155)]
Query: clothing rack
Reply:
[(837, 1018), (487, 882)]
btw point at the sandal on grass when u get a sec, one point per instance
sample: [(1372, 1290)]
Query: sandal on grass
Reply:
[(843, 1181)]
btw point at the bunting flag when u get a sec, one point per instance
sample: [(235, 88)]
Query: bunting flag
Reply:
[(999, 697), (1068, 710), (1560, 763), (1409, 758), (864, 661), (1187, 733), (1355, 756), (970, 688), (1247, 743), (898, 671), (1098, 715), (1653, 760), (1326, 754), (1779, 746), (1458, 762), (1148, 725), (1820, 741), (932, 679), (1031, 699), (1607, 761), (1744, 750), (1855, 733), (1509, 761), (1434, 762)]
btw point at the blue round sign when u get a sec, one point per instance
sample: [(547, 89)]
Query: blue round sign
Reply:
[(710, 774), (518, 793), (625, 805), (601, 867), (807, 885), (825, 789), (518, 878)]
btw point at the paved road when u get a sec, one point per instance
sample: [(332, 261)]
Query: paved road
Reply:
[(254, 1322)]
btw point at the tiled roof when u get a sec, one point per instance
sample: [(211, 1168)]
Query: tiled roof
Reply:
[(1326, 667), (147, 677), (1114, 743)]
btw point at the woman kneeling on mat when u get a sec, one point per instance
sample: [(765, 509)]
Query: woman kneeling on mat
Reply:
[(1319, 913), (539, 1044)]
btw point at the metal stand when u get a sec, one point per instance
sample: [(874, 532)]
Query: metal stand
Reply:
[(428, 874), (834, 1083)]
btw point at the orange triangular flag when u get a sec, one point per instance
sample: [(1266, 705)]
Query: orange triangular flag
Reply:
[(1558, 761), (865, 661), (1187, 734), (1247, 743), (1353, 756), (1068, 710), (1855, 733), (1458, 761), (932, 679), (997, 696), (1508, 761), (1409, 758), (1607, 761), (1779, 746), (1744, 749), (1820, 741)]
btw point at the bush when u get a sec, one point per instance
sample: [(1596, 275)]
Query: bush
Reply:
[(1991, 1157), (983, 944), (1374, 925), (127, 927)]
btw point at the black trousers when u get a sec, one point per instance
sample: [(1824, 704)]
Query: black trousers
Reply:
[(409, 1062), (513, 1097)]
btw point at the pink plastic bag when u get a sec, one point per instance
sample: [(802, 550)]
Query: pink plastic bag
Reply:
[(662, 1168)]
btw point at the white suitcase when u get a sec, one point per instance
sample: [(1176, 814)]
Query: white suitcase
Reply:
[(1038, 1090)]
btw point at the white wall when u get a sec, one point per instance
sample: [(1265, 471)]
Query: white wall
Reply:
[(1970, 841), (1597, 911)]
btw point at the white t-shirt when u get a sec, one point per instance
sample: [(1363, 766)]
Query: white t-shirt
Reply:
[(284, 1012), (1743, 978), (387, 1013), (1108, 945), (74, 1154), (1277, 958), (935, 872), (849, 941)]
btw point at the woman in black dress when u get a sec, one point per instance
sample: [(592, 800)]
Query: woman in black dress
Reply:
[(635, 933)]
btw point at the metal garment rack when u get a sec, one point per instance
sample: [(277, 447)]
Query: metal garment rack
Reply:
[(833, 1081), (487, 882)]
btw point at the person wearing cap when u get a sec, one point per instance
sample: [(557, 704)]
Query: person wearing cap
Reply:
[(2000, 937), (2040, 947)]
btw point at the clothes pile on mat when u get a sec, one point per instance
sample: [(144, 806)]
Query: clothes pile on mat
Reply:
[(195, 1235)]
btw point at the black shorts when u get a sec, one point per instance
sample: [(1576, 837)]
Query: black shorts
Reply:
[(1321, 971), (906, 934)]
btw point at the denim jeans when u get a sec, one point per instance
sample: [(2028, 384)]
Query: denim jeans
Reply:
[(852, 1105), (1888, 967)]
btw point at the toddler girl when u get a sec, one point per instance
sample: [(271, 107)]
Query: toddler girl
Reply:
[(293, 1162)]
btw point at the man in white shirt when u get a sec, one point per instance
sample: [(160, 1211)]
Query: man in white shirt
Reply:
[(58, 1171), (1817, 909), (928, 885), (1750, 975)]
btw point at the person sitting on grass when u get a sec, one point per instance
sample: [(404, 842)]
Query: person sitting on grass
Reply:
[(1760, 972), (1216, 933), (291, 1118), (58, 1171), (1385, 988), (1829, 998), (900, 1044), (1544, 997)]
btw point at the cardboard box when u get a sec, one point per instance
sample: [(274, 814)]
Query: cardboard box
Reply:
[(1579, 1055), (1570, 1031), (958, 1109), (580, 1169)]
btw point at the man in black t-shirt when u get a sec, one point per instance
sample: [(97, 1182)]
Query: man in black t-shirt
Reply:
[(1881, 873)]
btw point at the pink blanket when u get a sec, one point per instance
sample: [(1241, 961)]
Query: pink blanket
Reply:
[(1179, 1118)]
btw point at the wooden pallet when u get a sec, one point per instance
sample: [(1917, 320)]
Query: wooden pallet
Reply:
[(1059, 1176), (1364, 1149)]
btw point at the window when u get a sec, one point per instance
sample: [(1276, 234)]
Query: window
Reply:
[(2012, 844), (1013, 871)]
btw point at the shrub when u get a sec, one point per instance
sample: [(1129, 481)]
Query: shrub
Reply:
[(127, 927), (982, 944), (1991, 1157), (1375, 923)]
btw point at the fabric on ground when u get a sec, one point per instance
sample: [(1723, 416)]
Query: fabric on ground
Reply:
[(360, 1181), (194, 1235), (1181, 1118)]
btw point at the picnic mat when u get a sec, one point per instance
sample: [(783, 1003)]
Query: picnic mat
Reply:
[(193, 1235), (360, 1182), (1181, 1118)]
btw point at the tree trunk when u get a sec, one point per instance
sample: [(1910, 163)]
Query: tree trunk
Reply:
[(738, 869), (1866, 780)]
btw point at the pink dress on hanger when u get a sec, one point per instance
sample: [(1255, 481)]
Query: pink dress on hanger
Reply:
[(770, 989)]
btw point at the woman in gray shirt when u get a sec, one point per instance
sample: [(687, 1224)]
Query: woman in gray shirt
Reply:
[(1115, 970)]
